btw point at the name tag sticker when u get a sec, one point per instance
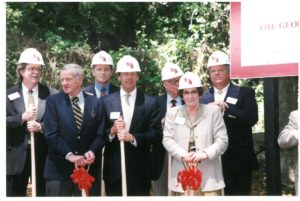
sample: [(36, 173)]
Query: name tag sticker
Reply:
[(114, 115), (14, 96), (231, 116), (180, 120), (231, 100)]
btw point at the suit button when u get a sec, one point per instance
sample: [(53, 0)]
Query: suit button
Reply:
[(76, 152), (78, 137)]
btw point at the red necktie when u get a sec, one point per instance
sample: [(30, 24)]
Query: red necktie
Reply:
[(103, 91)]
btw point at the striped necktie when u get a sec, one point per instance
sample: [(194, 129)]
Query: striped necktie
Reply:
[(77, 113)]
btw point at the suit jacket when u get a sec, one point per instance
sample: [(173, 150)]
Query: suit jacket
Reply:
[(17, 133), (158, 150), (62, 136), (239, 118), (146, 128), (91, 89), (210, 136)]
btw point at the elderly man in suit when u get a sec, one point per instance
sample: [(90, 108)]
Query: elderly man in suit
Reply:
[(170, 75), (74, 128), (240, 113), (102, 70), (21, 120), (134, 119)]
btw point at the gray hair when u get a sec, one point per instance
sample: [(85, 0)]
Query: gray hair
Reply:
[(77, 70)]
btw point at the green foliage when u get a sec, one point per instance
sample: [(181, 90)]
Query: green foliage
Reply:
[(154, 33)]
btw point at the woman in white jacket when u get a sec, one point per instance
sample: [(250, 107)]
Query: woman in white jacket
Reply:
[(195, 133)]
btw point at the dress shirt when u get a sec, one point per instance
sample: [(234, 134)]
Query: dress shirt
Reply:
[(220, 96), (98, 88), (169, 104), (131, 99)]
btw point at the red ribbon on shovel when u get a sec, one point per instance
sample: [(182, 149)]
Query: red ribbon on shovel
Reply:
[(190, 177), (83, 179)]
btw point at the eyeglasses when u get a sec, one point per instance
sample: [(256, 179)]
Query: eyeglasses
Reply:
[(173, 82), (192, 93), (38, 70), (217, 71)]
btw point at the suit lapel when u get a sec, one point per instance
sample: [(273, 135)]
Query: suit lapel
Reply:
[(69, 111), (19, 102), (210, 95), (233, 91), (116, 103), (87, 109), (138, 107), (43, 93)]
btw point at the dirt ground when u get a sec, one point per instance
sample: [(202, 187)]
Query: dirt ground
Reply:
[(259, 185)]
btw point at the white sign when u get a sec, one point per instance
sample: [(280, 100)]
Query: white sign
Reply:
[(270, 32)]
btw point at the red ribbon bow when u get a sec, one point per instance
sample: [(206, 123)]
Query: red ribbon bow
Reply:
[(83, 179), (190, 177)]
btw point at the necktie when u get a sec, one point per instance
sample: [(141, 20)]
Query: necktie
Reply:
[(31, 104), (103, 91), (173, 102), (77, 112), (126, 112)]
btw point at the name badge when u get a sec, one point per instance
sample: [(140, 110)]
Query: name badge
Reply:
[(231, 116), (180, 120), (13, 96), (231, 100), (114, 115)]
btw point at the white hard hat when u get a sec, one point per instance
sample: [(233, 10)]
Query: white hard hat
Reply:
[(189, 80), (218, 58), (102, 57), (31, 56), (128, 64), (170, 71)]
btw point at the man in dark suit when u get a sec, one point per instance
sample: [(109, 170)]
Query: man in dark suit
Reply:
[(102, 70), (170, 75), (21, 120), (134, 119), (74, 129), (240, 113)]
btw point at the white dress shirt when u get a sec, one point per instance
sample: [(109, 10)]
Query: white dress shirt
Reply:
[(219, 95)]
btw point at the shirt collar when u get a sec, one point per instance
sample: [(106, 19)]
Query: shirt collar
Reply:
[(224, 90), (99, 86), (178, 99), (25, 89), (79, 95), (132, 93)]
